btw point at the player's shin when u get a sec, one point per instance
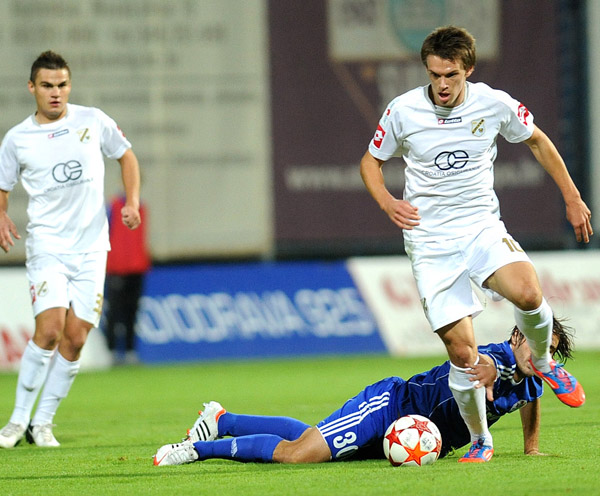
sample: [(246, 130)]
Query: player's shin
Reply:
[(35, 364), (254, 448), (536, 326), (231, 424), (471, 403), (60, 379)]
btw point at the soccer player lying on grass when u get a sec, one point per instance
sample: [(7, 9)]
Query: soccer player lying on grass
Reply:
[(358, 427)]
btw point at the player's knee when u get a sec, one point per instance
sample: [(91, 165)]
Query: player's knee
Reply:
[(461, 352), (47, 337), (529, 297), (302, 450), (72, 342)]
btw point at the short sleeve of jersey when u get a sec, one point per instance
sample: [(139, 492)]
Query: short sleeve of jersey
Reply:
[(517, 121), (387, 141), (9, 165), (114, 143)]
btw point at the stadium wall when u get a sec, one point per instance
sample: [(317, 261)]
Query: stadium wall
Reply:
[(262, 310)]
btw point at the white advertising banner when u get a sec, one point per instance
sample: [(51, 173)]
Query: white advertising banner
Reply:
[(188, 83), (570, 282)]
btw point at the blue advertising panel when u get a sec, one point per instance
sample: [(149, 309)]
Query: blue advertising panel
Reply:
[(253, 310)]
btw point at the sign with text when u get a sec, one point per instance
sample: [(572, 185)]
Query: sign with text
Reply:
[(210, 312)]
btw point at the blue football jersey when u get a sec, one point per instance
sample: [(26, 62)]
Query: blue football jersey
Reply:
[(428, 394)]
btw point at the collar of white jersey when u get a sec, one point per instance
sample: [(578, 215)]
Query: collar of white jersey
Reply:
[(51, 125), (446, 111)]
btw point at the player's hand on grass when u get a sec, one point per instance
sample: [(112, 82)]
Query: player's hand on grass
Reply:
[(535, 453)]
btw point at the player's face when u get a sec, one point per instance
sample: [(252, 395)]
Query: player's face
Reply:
[(523, 354), (51, 90), (448, 78)]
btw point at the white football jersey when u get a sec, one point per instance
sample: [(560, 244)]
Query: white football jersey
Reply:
[(449, 155), (61, 168)]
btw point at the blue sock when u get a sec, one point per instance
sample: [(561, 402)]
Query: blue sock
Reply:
[(254, 448), (231, 424)]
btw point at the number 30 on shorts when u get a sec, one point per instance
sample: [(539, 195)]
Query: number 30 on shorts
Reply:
[(344, 444)]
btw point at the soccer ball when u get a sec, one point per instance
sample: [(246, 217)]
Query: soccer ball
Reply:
[(412, 440)]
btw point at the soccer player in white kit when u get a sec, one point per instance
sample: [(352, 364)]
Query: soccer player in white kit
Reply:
[(446, 134), (58, 155)]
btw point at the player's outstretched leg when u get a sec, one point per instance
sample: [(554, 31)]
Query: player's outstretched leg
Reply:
[(566, 388), (176, 454), (215, 422), (478, 453), (205, 427)]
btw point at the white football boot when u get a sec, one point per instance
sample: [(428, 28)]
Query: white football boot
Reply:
[(41, 435), (176, 454), (205, 427), (11, 434)]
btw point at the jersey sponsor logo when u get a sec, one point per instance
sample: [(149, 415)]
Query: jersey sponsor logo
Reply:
[(523, 113), (451, 160), (62, 132), (453, 120), (69, 171), (478, 127), (379, 135)]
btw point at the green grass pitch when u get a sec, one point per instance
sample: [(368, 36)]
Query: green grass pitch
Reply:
[(113, 421)]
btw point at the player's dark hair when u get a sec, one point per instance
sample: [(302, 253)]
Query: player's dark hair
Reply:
[(564, 349), (450, 43), (48, 60)]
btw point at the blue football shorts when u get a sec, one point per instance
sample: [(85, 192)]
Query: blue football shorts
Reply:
[(362, 421)]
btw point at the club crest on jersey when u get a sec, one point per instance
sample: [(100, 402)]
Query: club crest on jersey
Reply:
[(452, 120), (84, 135), (478, 127)]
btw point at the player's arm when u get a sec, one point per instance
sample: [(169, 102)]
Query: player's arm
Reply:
[(130, 174), (578, 214), (7, 227), (401, 212), (530, 420)]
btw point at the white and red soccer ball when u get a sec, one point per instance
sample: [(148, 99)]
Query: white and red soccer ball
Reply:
[(412, 440)]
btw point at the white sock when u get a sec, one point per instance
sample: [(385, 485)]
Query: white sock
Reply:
[(33, 371), (536, 326), (471, 403), (60, 378)]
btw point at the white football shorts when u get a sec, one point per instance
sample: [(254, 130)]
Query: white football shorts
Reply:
[(68, 280), (443, 271)]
